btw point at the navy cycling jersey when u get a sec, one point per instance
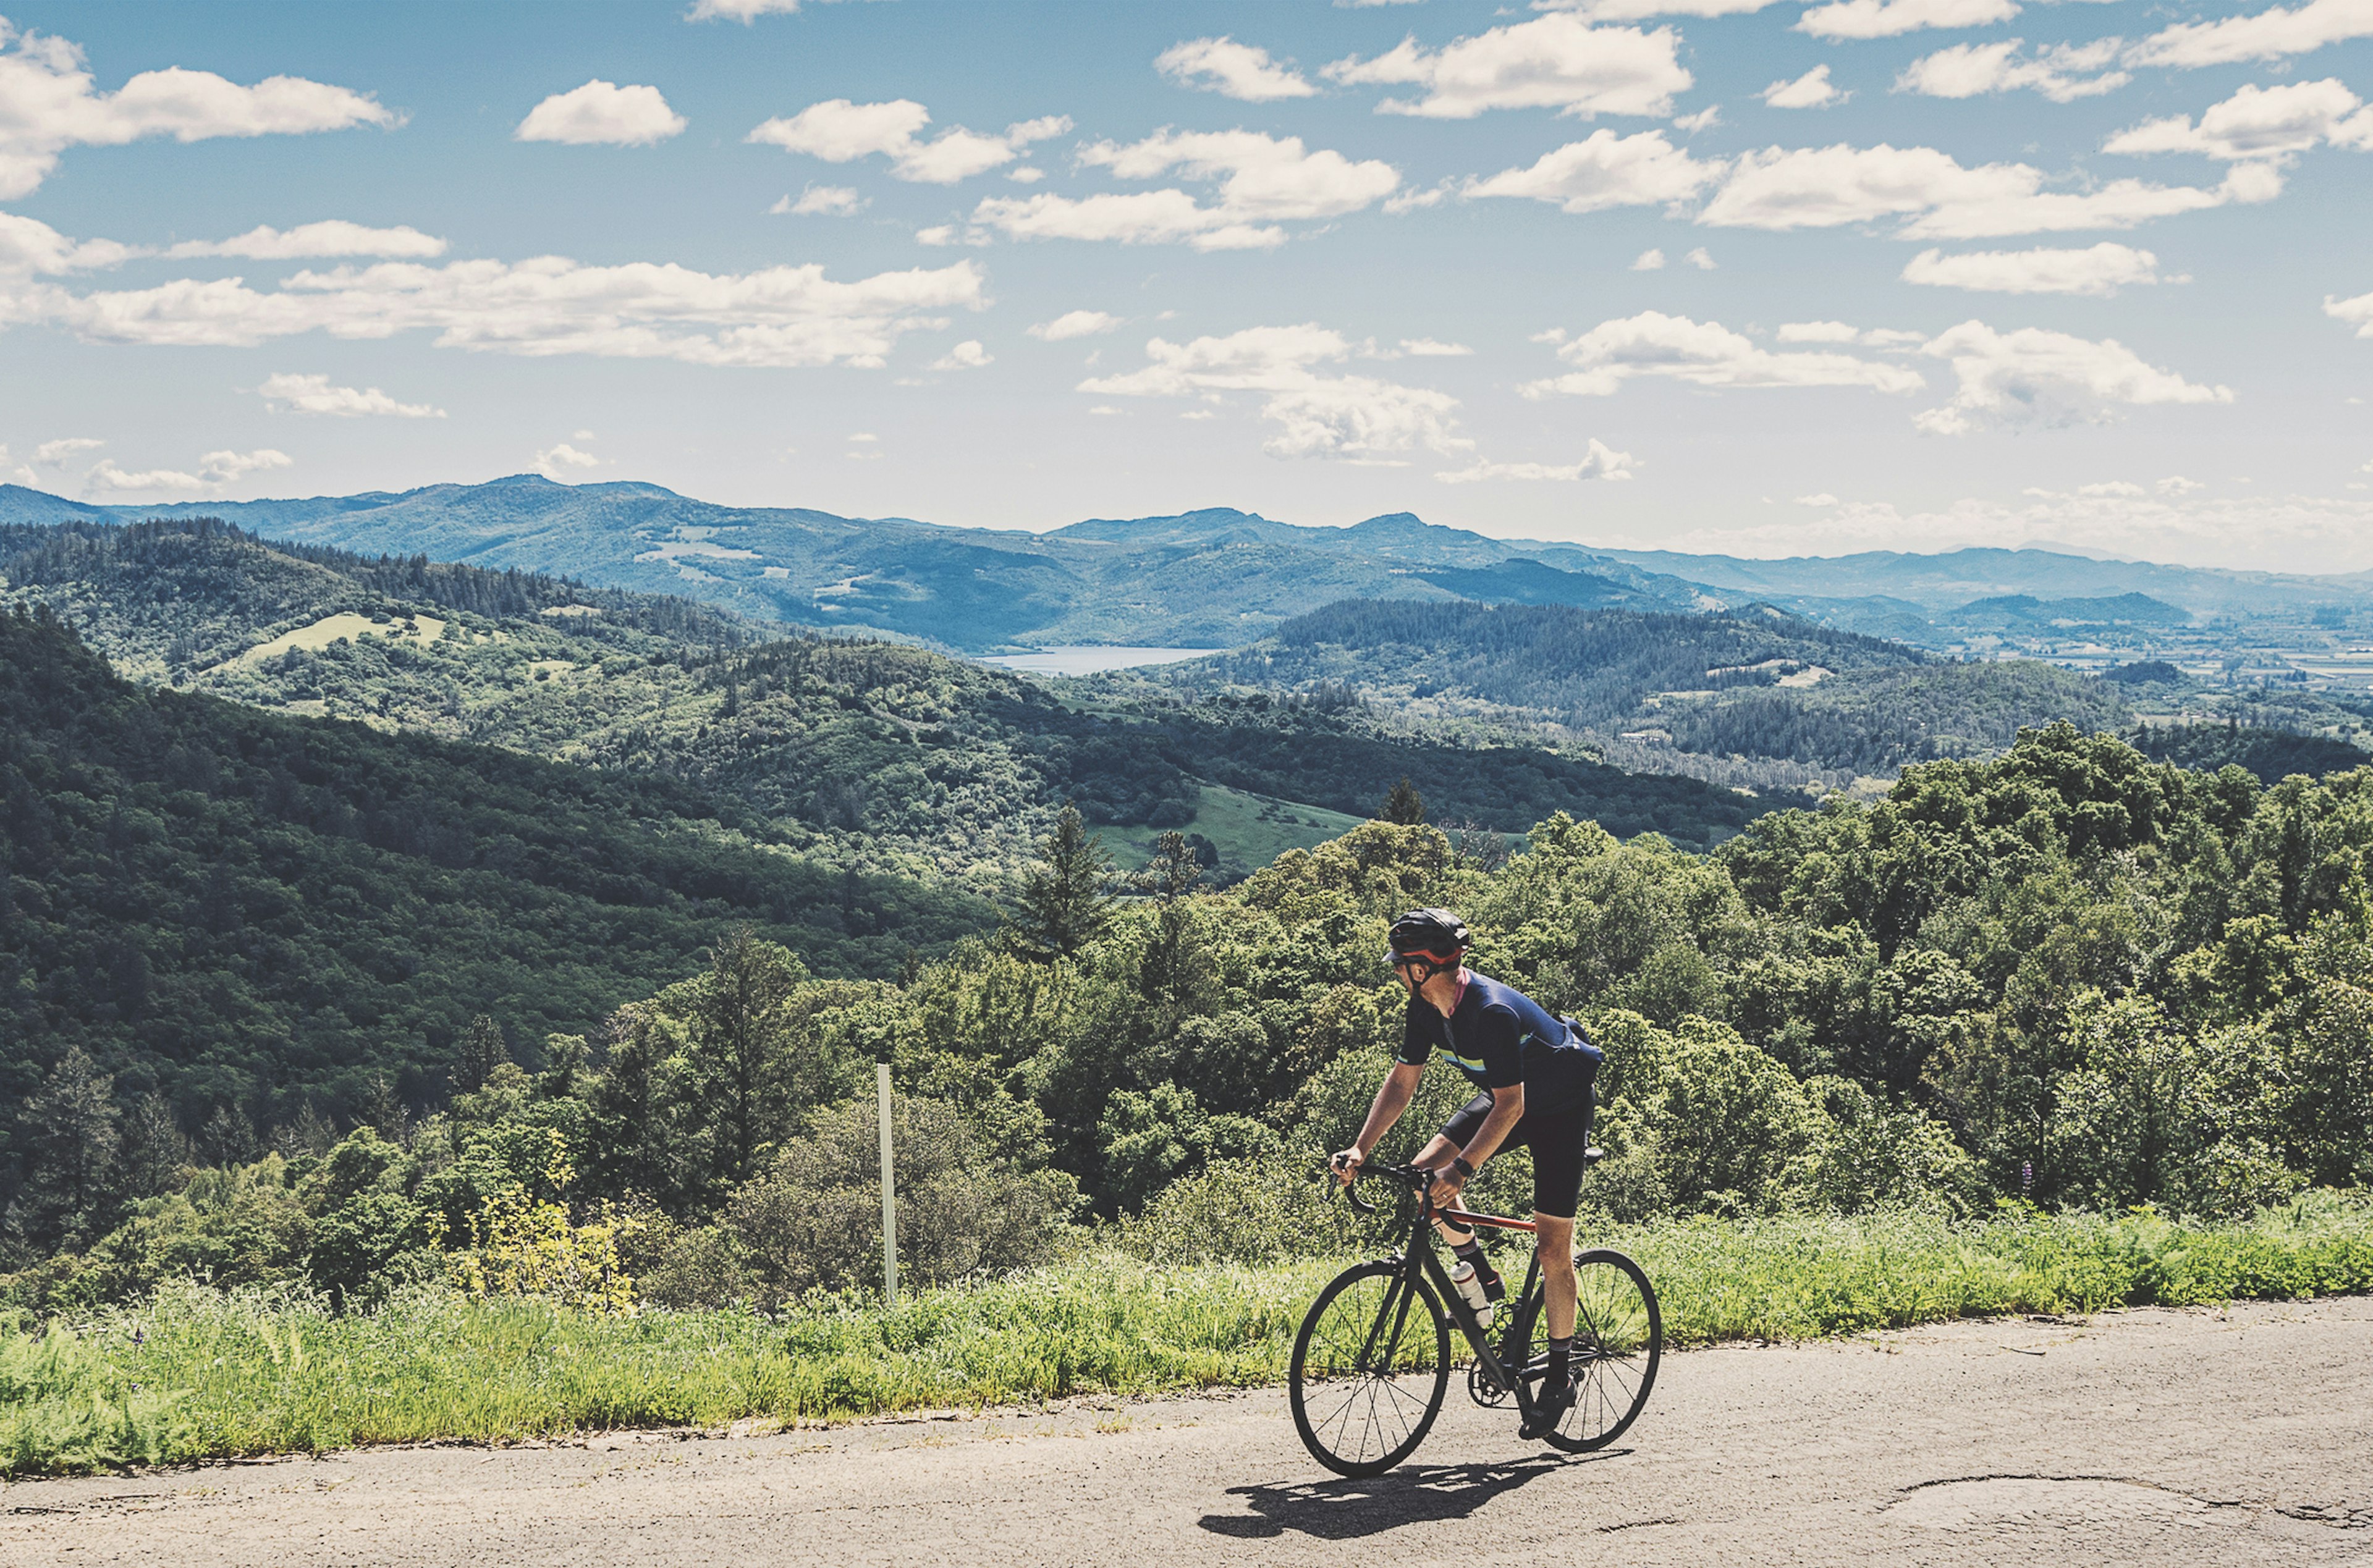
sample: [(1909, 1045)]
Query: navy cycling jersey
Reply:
[(1500, 1037)]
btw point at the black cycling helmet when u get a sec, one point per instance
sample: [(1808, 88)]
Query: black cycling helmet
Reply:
[(1433, 939)]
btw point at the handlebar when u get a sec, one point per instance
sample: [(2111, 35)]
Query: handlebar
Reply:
[(1415, 1177)]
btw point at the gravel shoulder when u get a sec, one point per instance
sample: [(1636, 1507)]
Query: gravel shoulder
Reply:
[(2240, 1435)]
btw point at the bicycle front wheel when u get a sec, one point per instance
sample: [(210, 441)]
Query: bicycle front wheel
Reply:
[(1370, 1368), (1618, 1337)]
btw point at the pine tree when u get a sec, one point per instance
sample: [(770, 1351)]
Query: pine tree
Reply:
[(67, 1127), (1064, 905), (155, 1150), (483, 1051), (1404, 805)]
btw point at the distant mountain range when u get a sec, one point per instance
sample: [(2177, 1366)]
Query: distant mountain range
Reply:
[(1224, 578)]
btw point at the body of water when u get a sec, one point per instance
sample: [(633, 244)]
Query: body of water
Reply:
[(1091, 659)]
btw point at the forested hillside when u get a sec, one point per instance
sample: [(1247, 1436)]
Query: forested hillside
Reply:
[(2069, 975), (867, 754), (251, 913), (1700, 693)]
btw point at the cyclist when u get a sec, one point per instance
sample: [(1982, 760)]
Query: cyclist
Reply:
[(1534, 1071)]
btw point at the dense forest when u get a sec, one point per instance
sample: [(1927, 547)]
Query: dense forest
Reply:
[(2069, 975), (248, 913)]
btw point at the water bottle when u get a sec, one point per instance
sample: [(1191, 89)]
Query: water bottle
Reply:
[(1463, 1278)]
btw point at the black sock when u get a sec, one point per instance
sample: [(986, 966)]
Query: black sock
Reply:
[(1560, 1367), (1471, 1250)]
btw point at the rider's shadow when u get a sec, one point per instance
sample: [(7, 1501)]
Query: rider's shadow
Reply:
[(1346, 1510)]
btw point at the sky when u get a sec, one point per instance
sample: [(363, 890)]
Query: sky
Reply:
[(1755, 276)]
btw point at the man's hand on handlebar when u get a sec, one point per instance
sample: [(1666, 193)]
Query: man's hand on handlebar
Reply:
[(1447, 1185), (1346, 1165)]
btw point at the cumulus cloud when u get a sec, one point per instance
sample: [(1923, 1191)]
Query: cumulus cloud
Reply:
[(221, 467), (1554, 62), (966, 356), (2358, 312), (774, 316), (838, 131), (55, 454), (1700, 258), (1235, 70), (2269, 35), (822, 200), (1702, 354), (601, 114), (1649, 261), (1263, 180), (1429, 348), (48, 103), (29, 246), (1940, 199), (1321, 413), (1811, 90), (313, 394), (2259, 123), (1887, 19), (1603, 462), (332, 237), (743, 11), (2035, 377), (2062, 72), (1606, 170), (558, 459), (1074, 324), (2099, 271), (1640, 10), (214, 469)]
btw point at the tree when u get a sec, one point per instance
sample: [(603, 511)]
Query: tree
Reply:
[(481, 1052), (1404, 805), (67, 1128), (1064, 905), (154, 1148), (735, 1047)]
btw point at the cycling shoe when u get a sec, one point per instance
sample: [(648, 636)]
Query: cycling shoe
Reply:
[(1549, 1405)]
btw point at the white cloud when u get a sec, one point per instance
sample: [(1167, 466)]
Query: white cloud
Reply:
[(1074, 324), (1649, 261), (1888, 18), (1640, 10), (744, 11), (1811, 90), (2357, 311), (2269, 35), (2100, 270), (1263, 180), (1700, 258), (1704, 355), (1818, 333), (1826, 187), (106, 476), (1235, 70), (1823, 499), (313, 394), (2112, 487), (221, 467), (48, 104), (2035, 377), (822, 200), (1554, 62), (1705, 119), (2175, 484), (29, 246), (332, 237), (601, 114), (840, 132), (1428, 348), (1606, 170), (2062, 72), (966, 356), (52, 454), (776, 316), (561, 457), (214, 469), (1603, 462), (2259, 123), (1353, 417)]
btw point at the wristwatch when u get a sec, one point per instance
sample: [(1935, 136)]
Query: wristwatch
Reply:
[(1466, 1172)]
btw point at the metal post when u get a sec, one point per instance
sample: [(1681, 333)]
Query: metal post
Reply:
[(889, 1194)]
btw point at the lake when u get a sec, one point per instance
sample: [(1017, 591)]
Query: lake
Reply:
[(1091, 659)]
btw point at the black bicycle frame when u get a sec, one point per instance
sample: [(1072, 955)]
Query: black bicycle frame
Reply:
[(1419, 1256)]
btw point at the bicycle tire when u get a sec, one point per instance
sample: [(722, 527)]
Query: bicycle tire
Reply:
[(1619, 1342), (1356, 1419)]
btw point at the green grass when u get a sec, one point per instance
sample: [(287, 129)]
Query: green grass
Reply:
[(196, 1374), (1249, 831)]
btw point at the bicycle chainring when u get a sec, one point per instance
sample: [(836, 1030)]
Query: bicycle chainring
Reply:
[(1484, 1388)]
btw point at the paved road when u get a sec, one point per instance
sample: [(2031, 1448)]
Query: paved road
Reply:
[(2200, 1438)]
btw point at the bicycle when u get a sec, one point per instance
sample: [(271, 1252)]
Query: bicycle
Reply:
[(1358, 1345)]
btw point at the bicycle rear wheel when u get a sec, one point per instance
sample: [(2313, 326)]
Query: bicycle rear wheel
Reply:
[(1370, 1368), (1618, 1337)]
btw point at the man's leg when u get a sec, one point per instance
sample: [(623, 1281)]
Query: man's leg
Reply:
[(1555, 1239)]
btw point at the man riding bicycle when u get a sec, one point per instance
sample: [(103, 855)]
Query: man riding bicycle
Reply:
[(1534, 1071)]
